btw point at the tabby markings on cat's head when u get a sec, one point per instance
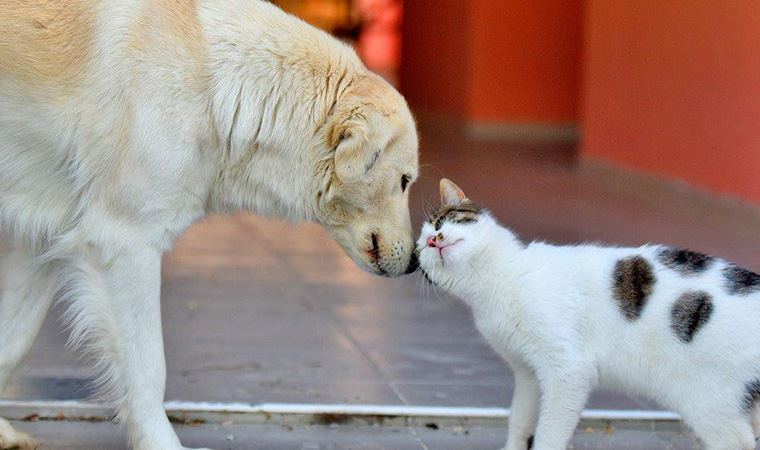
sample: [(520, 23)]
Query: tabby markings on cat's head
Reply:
[(690, 312), (741, 281), (462, 214), (685, 261), (445, 236), (633, 280), (441, 240)]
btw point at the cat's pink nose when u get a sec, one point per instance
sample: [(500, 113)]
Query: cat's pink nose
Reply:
[(431, 241)]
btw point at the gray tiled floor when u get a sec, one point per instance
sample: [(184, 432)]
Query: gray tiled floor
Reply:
[(238, 330)]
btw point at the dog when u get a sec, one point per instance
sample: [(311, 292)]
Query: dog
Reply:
[(123, 122)]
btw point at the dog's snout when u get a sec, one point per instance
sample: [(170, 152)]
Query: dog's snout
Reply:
[(374, 250), (389, 256)]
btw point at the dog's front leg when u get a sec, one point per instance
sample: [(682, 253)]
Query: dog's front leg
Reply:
[(116, 313)]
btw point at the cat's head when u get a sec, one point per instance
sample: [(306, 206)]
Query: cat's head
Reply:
[(454, 234)]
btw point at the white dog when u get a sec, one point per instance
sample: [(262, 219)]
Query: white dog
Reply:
[(122, 122)]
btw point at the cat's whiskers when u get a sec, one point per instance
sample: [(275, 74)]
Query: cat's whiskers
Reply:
[(430, 284), (428, 209), (420, 280)]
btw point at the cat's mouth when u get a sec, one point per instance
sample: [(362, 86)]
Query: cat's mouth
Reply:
[(441, 247)]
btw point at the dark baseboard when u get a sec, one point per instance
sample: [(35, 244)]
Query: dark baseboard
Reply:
[(563, 133)]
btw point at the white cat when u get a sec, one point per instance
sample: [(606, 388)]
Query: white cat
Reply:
[(676, 326)]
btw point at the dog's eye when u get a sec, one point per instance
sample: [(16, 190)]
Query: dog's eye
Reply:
[(404, 182)]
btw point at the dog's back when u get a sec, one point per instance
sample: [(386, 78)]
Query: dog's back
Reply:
[(79, 83), (42, 50)]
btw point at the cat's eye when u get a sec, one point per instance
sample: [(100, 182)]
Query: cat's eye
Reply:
[(404, 182)]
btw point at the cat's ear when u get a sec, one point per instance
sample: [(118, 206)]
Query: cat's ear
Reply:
[(451, 194)]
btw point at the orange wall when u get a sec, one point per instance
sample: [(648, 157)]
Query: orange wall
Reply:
[(525, 58), (434, 55), (673, 87), (379, 42), (512, 61)]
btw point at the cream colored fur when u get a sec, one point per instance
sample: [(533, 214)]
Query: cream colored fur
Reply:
[(123, 122)]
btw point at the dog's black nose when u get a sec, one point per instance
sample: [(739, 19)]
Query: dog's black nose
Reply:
[(414, 263)]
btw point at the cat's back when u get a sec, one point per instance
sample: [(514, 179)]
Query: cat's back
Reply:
[(651, 317), (576, 270), (682, 319), (694, 304), (666, 301), (678, 284), (631, 274)]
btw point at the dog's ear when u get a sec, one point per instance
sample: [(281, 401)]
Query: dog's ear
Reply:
[(357, 147)]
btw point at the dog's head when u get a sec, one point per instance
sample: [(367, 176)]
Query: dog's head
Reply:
[(364, 202)]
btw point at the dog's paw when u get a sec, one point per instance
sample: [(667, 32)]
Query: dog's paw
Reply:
[(10, 438)]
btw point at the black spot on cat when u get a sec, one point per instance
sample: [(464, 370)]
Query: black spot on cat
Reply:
[(530, 442), (689, 313), (464, 213), (633, 282), (741, 281), (684, 261), (751, 395)]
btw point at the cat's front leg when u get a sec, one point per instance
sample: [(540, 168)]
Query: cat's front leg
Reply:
[(564, 393), (524, 410)]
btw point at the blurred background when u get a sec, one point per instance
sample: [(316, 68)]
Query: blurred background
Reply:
[(669, 88), (615, 121)]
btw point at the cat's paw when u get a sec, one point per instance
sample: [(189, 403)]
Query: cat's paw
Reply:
[(10, 438)]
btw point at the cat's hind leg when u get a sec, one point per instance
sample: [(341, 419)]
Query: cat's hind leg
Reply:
[(734, 435), (524, 410), (722, 430), (755, 420)]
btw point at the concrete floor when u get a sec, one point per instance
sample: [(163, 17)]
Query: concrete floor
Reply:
[(102, 436), (256, 310)]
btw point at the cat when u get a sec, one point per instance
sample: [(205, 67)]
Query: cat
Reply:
[(677, 326)]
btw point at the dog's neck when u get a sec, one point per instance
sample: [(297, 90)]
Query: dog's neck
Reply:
[(271, 91)]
